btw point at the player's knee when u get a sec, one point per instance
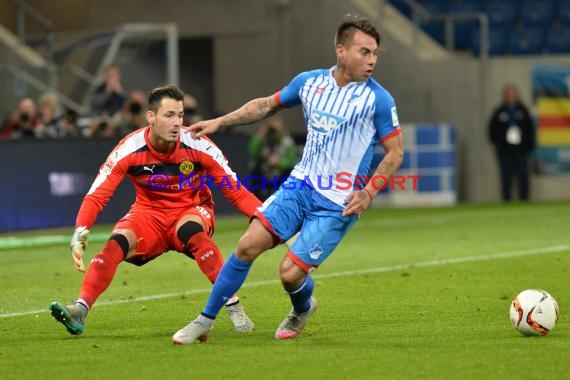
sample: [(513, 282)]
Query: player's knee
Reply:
[(291, 279), (254, 242), (122, 241), (291, 274), (187, 230), (246, 249)]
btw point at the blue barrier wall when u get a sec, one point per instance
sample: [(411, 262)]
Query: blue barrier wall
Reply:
[(44, 181), (430, 152)]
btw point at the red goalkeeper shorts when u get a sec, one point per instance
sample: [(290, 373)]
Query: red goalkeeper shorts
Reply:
[(156, 229)]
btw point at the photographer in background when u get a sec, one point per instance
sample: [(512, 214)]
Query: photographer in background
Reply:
[(273, 154), (22, 122), (68, 125), (101, 127), (132, 116)]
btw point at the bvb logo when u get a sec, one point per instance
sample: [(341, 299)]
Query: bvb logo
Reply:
[(186, 167)]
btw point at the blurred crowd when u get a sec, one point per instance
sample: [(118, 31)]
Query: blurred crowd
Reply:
[(114, 112)]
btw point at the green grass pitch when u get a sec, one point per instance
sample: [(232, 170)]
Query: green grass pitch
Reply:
[(409, 294)]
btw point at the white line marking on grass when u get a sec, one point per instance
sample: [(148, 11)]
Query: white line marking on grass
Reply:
[(389, 268)]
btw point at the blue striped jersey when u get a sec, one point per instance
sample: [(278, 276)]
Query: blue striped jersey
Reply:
[(344, 124)]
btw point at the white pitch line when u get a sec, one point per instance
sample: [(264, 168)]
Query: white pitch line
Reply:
[(389, 268)]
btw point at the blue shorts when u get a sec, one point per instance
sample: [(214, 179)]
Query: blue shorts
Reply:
[(298, 207)]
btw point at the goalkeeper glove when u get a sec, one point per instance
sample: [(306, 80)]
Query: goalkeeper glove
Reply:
[(78, 244)]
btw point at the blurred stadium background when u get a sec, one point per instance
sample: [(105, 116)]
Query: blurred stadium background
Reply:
[(445, 62)]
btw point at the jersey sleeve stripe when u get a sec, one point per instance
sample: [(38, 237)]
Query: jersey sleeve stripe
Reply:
[(391, 134), (277, 100)]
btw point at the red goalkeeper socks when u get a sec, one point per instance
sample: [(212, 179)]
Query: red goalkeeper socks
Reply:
[(207, 255), (101, 272)]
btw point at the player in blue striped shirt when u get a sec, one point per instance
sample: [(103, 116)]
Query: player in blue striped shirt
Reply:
[(346, 113)]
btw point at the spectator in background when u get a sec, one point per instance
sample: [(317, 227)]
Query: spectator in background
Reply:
[(101, 127), (191, 114), (132, 116), (22, 122), (108, 97), (68, 126), (273, 155), (49, 115), (511, 131)]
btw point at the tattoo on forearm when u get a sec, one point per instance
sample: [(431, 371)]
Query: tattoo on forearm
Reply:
[(385, 170), (386, 167), (262, 106), (251, 112)]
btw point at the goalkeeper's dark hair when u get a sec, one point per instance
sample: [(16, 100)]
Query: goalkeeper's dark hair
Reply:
[(351, 24), (159, 93)]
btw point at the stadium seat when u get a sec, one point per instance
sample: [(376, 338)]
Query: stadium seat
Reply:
[(537, 13), (464, 30), (525, 41), (497, 41), (402, 7), (563, 12), (465, 6), (558, 40), (501, 13), (463, 33), (435, 29), (436, 6)]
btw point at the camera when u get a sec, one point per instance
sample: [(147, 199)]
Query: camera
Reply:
[(24, 117), (135, 108)]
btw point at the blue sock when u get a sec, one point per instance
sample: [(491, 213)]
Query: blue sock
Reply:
[(301, 296), (229, 280)]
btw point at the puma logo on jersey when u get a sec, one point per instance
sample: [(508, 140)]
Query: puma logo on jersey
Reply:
[(151, 169), (324, 122)]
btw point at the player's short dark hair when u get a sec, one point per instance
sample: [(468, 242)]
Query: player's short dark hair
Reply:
[(156, 95), (351, 24)]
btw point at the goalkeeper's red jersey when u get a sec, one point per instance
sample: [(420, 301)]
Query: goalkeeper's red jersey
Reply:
[(166, 181)]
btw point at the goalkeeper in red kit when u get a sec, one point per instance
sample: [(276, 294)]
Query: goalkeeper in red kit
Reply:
[(173, 209)]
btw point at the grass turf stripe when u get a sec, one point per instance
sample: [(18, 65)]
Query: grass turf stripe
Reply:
[(15, 242), (389, 268)]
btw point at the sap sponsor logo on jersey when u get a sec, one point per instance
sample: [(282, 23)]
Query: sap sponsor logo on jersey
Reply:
[(324, 122)]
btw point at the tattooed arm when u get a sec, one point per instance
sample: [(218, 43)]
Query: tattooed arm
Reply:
[(250, 112)]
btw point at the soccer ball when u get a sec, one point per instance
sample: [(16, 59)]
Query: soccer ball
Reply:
[(534, 312)]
